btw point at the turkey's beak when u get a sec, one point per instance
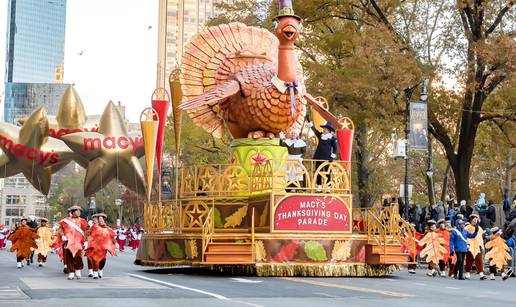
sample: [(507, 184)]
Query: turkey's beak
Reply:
[(289, 31)]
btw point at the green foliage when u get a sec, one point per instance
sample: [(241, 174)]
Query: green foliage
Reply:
[(175, 250)]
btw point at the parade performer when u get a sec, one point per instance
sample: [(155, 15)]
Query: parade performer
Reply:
[(4, 232), (412, 255), (23, 242), (44, 242), (101, 240), (445, 235), (475, 249), (433, 248), (459, 246), (327, 148), (296, 149), (121, 237), (94, 221), (498, 254), (134, 237), (73, 233)]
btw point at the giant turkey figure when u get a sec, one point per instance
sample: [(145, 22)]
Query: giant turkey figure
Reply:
[(246, 79)]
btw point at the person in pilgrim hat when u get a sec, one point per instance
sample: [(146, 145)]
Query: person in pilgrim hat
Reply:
[(296, 149), (327, 149)]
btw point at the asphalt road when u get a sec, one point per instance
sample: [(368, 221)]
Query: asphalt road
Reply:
[(128, 285)]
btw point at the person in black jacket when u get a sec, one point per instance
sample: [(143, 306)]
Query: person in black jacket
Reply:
[(327, 148), (491, 214)]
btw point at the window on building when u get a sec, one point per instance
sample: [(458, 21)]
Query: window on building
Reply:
[(14, 211), (41, 212), (15, 199)]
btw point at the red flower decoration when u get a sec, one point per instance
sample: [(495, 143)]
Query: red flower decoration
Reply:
[(259, 159)]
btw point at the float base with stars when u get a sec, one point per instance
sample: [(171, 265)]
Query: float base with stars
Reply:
[(249, 218)]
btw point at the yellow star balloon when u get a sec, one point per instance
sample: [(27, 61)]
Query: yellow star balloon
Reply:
[(29, 150), (112, 153)]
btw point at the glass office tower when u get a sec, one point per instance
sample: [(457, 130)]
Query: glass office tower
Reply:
[(35, 41)]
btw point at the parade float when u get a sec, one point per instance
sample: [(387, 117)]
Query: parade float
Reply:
[(250, 216)]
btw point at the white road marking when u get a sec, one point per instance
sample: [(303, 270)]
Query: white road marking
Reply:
[(419, 284), (453, 288), (168, 284), (246, 281)]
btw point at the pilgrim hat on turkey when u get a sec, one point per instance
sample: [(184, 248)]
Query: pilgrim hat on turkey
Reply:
[(328, 126), (286, 9)]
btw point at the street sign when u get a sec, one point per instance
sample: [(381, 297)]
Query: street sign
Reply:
[(402, 190), (418, 138)]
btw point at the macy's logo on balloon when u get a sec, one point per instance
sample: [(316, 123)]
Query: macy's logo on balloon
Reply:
[(59, 133), (122, 142), (32, 154)]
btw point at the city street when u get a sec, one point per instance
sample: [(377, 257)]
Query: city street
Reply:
[(128, 285)]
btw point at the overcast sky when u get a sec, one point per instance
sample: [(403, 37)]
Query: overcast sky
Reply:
[(119, 52)]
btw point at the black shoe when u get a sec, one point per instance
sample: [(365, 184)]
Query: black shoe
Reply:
[(462, 278)]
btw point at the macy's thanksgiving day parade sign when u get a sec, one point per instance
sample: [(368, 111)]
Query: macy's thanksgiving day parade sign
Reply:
[(101, 144)]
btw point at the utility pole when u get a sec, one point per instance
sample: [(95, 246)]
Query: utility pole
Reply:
[(408, 95)]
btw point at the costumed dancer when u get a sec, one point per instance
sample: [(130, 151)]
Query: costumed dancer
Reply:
[(475, 248), (31, 222), (73, 233), (44, 242), (135, 237), (23, 242), (498, 254), (94, 221), (445, 235), (412, 254), (4, 232), (101, 240), (296, 149), (459, 246), (121, 237), (327, 149), (432, 248)]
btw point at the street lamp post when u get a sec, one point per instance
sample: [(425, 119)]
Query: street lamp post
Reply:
[(119, 203), (408, 96), (92, 207)]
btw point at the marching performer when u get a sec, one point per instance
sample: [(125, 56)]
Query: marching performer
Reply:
[(459, 246), (432, 264), (475, 249), (72, 230), (445, 234), (44, 242), (134, 235), (4, 232), (94, 221), (101, 240), (121, 237), (23, 242), (498, 254)]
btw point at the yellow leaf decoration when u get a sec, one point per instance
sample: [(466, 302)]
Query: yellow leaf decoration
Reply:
[(475, 245), (191, 249), (263, 216), (236, 218), (434, 249), (498, 254), (341, 250), (260, 252)]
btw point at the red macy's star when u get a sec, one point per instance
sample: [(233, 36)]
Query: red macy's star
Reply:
[(259, 159)]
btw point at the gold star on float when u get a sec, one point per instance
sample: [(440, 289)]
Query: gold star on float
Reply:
[(111, 152), (29, 150), (346, 123)]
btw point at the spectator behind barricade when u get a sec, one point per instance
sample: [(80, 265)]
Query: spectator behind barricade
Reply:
[(440, 211), (481, 207), (491, 214), (506, 205)]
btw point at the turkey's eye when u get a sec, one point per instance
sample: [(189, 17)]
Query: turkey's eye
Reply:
[(275, 25), (301, 27)]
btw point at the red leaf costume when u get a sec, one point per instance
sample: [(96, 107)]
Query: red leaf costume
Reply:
[(445, 234), (23, 241), (100, 241), (75, 238)]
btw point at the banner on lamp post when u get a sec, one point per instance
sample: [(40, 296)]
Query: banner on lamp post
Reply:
[(418, 138)]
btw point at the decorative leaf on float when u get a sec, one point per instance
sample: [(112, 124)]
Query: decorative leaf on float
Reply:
[(217, 218), (191, 249), (263, 216), (498, 254), (341, 250), (434, 249), (287, 252), (236, 218), (260, 252), (175, 250), (315, 251)]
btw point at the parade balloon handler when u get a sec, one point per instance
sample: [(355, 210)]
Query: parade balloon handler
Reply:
[(296, 149), (327, 149), (44, 242), (31, 222), (121, 237), (23, 242), (459, 246), (73, 233), (101, 240), (94, 221)]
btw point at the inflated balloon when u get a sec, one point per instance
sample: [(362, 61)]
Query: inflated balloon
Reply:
[(29, 150), (149, 121), (111, 152)]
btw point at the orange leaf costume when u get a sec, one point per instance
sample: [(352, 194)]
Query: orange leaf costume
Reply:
[(498, 254), (45, 240), (100, 241), (23, 241), (75, 238), (434, 249), (475, 245), (445, 234)]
